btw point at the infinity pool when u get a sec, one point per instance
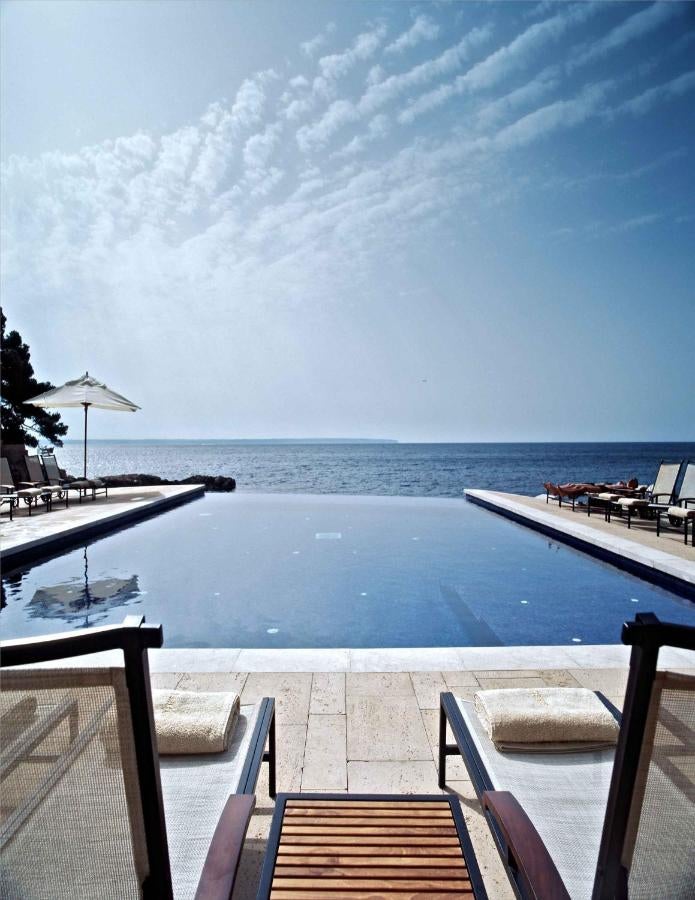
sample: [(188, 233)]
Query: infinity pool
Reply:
[(269, 570)]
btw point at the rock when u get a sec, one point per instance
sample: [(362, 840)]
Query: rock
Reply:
[(217, 483)]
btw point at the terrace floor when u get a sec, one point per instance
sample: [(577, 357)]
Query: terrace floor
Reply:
[(375, 732), (42, 531), (639, 544)]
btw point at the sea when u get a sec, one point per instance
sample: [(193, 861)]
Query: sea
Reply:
[(416, 470)]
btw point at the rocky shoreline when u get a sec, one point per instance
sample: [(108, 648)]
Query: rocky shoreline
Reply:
[(214, 483)]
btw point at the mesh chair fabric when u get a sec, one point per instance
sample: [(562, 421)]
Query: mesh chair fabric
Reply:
[(660, 844), (70, 817)]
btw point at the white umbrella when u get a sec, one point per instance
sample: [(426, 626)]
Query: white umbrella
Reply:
[(86, 392)]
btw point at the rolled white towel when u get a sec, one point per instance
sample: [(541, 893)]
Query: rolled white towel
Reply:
[(545, 718), (192, 722)]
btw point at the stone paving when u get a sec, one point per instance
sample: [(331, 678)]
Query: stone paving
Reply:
[(373, 732)]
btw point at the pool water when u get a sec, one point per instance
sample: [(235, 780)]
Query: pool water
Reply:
[(283, 570)]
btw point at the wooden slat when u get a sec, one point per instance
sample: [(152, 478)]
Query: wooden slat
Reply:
[(367, 804), (366, 830), (433, 850), (385, 873), (375, 813), (376, 821), (288, 894), (449, 885), (379, 859), (414, 841)]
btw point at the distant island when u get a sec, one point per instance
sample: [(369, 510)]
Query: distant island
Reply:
[(235, 441)]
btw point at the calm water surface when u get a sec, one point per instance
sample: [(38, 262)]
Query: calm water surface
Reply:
[(264, 570), (414, 470)]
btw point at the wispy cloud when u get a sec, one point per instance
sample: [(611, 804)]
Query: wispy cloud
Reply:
[(311, 47), (642, 103), (387, 90), (498, 65), (423, 29), (633, 28)]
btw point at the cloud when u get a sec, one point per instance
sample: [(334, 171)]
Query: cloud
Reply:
[(383, 92), (423, 29), (220, 142), (496, 110), (631, 29), (642, 103), (365, 45), (498, 65), (311, 47), (554, 116), (377, 129)]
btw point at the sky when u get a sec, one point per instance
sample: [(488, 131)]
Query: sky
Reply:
[(424, 221)]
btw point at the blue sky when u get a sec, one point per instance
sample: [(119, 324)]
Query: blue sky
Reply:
[(426, 221)]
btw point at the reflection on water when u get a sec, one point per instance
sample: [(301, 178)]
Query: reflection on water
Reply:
[(79, 598)]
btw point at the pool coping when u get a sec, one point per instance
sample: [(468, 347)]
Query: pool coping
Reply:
[(657, 566), (390, 659), (69, 536)]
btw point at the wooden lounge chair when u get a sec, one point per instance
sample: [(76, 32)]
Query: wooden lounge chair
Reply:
[(606, 824), (30, 495), (662, 492), (89, 811), (682, 512)]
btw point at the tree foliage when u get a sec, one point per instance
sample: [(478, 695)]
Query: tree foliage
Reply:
[(23, 423)]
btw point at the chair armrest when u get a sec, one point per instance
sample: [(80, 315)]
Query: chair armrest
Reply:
[(221, 864), (527, 853), (32, 483)]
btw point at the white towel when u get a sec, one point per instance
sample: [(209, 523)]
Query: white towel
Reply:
[(192, 722), (545, 719)]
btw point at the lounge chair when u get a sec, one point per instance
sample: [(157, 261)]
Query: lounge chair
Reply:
[(682, 512), (662, 492), (600, 824), (37, 479), (83, 486), (611, 493), (30, 495), (570, 492), (84, 794)]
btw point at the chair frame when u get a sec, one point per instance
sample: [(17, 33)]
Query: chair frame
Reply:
[(529, 867), (134, 638)]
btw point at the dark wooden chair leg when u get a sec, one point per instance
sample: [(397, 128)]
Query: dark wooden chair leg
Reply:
[(442, 748)]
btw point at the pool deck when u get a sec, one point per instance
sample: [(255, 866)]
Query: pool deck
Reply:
[(43, 532), (637, 548), (351, 732)]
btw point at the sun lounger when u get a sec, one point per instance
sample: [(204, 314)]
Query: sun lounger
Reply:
[(82, 486), (84, 795), (37, 479), (662, 492), (30, 495), (603, 823), (682, 512), (570, 492)]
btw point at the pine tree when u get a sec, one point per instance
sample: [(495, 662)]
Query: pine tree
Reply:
[(21, 422)]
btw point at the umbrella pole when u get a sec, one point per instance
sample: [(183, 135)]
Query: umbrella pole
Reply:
[(86, 407)]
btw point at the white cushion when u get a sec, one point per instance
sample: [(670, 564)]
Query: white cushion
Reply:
[(680, 512)]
